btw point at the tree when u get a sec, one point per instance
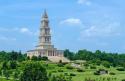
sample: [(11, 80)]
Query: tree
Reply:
[(39, 58), (16, 75), (44, 58), (106, 64), (13, 64), (68, 54), (6, 74), (98, 52), (34, 72), (34, 58), (4, 65), (27, 58), (13, 55), (0, 72)]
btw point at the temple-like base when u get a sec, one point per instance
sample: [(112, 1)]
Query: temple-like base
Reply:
[(53, 55)]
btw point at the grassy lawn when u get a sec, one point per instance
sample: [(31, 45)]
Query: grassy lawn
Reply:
[(89, 73), (81, 76), (4, 79)]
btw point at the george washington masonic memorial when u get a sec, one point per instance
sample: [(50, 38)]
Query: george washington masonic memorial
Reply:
[(44, 47)]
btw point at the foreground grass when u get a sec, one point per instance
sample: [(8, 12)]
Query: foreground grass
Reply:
[(53, 68), (89, 73), (4, 79)]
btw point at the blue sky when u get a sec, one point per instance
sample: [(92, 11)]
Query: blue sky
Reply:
[(75, 24)]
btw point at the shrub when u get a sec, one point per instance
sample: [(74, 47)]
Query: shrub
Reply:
[(60, 70), (60, 65), (32, 70), (121, 69), (112, 73), (44, 58), (69, 67), (54, 71), (80, 70), (61, 78), (60, 61), (92, 67), (50, 74), (66, 74), (96, 73), (72, 74)]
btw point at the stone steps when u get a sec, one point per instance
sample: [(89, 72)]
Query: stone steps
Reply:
[(57, 59)]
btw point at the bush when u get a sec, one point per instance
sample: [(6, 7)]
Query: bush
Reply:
[(96, 73), (66, 74), (80, 70), (123, 79), (61, 78), (60, 65), (69, 67), (112, 73), (32, 70), (44, 58), (121, 69), (60, 70), (54, 71), (92, 67), (72, 74)]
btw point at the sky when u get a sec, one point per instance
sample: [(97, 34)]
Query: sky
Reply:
[(75, 24)]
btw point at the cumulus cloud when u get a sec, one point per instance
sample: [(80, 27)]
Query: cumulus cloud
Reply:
[(71, 21), (23, 30), (111, 29)]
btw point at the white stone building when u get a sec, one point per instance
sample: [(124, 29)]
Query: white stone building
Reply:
[(44, 47)]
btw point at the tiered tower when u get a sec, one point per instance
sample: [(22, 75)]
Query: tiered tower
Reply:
[(44, 47), (45, 35)]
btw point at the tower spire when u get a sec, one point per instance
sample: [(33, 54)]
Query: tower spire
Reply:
[(45, 14), (45, 36)]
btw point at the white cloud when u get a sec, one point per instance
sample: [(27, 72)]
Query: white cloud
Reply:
[(4, 38), (72, 21), (25, 30), (111, 29), (86, 2), (7, 29)]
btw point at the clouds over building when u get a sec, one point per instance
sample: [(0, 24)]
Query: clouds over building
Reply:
[(102, 30), (71, 21)]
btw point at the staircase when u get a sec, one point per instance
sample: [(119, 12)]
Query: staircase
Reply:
[(57, 59)]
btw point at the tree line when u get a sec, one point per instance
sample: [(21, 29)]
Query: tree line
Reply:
[(98, 57)]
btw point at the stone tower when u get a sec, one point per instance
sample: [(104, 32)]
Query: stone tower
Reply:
[(45, 35), (44, 47)]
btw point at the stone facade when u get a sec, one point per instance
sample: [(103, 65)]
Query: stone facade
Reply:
[(44, 47)]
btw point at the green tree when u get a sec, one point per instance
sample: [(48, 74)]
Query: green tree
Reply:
[(98, 52), (34, 58), (44, 58), (4, 65), (6, 74), (16, 75), (13, 64), (68, 54), (106, 64), (34, 71), (27, 58)]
